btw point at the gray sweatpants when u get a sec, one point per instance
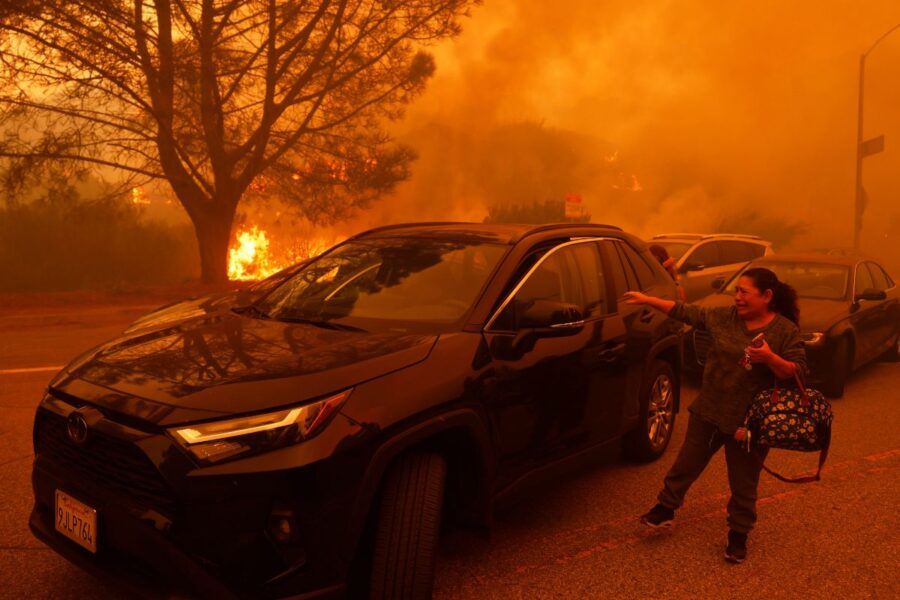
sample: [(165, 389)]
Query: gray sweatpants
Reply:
[(701, 442)]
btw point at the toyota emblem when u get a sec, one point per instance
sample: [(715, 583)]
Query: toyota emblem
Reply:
[(77, 429)]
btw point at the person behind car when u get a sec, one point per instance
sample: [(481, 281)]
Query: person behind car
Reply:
[(668, 263), (734, 372)]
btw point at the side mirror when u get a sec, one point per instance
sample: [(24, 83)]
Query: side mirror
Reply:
[(550, 315), (871, 295), (718, 283), (547, 319)]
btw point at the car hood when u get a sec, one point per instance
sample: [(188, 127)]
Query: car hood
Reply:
[(226, 363), (815, 315), (189, 308)]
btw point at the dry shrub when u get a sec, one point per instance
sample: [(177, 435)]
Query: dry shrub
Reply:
[(57, 244)]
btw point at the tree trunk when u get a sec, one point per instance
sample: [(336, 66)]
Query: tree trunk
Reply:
[(213, 230)]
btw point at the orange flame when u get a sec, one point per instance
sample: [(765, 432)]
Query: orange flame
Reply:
[(628, 183), (138, 196), (248, 258), (252, 256)]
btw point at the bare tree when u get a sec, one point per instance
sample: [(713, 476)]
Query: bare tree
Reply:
[(219, 97)]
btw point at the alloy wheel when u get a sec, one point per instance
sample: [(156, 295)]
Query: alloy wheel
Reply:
[(660, 411)]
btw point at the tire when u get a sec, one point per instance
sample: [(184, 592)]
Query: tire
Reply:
[(407, 528), (649, 440), (893, 355), (840, 366)]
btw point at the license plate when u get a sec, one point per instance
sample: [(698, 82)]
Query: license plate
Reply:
[(76, 521)]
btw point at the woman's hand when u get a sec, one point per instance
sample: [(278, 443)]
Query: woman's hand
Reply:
[(636, 298), (761, 355), (764, 355)]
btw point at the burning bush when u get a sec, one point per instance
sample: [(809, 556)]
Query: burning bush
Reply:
[(253, 256)]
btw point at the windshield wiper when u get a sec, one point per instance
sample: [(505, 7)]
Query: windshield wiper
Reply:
[(321, 323), (251, 310)]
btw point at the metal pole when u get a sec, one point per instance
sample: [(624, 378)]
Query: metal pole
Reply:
[(858, 207)]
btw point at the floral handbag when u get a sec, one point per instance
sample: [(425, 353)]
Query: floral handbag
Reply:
[(791, 419)]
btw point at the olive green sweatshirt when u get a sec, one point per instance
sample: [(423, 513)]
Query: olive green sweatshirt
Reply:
[(728, 388)]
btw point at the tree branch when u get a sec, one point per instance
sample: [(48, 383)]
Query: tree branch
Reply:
[(79, 158), (90, 65)]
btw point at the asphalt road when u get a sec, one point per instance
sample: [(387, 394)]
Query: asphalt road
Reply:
[(579, 538)]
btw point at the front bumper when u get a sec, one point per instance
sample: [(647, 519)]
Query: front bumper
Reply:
[(162, 571), (162, 531), (819, 362)]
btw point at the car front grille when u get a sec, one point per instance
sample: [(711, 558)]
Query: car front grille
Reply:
[(702, 342), (104, 463)]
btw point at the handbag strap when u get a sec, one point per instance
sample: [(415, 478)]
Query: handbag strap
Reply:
[(804, 396), (823, 456)]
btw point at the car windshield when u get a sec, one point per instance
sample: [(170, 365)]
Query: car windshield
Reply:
[(675, 249), (264, 285), (811, 280), (391, 281)]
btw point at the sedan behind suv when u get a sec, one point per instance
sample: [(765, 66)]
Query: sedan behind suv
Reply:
[(849, 313), (312, 442), (703, 259)]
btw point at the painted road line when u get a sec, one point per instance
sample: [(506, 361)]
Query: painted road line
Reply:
[(76, 311), (29, 370)]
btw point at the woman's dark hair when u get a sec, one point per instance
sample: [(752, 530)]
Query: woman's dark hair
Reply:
[(661, 254), (784, 297)]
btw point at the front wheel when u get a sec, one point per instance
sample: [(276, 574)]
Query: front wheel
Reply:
[(841, 364), (893, 355), (407, 530), (650, 438)]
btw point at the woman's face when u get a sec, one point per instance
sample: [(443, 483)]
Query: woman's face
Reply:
[(749, 301)]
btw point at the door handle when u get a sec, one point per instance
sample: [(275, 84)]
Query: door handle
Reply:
[(611, 353), (571, 325)]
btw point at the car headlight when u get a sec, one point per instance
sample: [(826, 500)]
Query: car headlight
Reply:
[(215, 441), (815, 338)]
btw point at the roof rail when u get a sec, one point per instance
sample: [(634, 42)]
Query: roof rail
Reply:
[(734, 235), (669, 236), (552, 226), (703, 236), (534, 228), (406, 226)]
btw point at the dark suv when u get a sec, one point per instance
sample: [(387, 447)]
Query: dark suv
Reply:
[(316, 439)]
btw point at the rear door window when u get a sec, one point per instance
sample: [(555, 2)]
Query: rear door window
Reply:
[(705, 256), (756, 250), (617, 271), (645, 276), (890, 282), (630, 276), (878, 277), (863, 279), (587, 257), (736, 252)]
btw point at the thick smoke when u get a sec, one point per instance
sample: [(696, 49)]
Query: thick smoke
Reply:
[(665, 116)]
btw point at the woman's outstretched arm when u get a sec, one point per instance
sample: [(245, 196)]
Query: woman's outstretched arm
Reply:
[(660, 304), (691, 314)]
